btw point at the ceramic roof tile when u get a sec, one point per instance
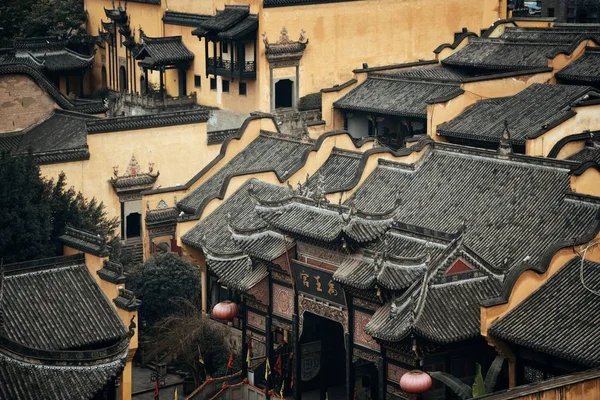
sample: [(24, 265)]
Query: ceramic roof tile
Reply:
[(61, 131), (585, 69), (26, 380), (428, 72), (437, 307), (164, 50), (560, 318), (212, 233), (226, 18), (529, 113), (267, 152), (395, 97), (588, 153), (511, 209), (498, 54), (57, 307)]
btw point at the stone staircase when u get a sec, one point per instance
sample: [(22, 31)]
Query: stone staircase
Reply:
[(133, 251)]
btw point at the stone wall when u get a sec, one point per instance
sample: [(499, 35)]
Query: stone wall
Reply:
[(22, 103)]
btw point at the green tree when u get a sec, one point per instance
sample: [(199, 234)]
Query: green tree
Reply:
[(161, 283), (34, 211), (186, 334), (30, 18), (480, 386)]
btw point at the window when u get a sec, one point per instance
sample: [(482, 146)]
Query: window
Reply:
[(225, 86), (213, 83), (197, 81), (224, 48), (242, 88), (551, 12)]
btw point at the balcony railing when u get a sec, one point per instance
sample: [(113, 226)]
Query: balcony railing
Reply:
[(219, 66)]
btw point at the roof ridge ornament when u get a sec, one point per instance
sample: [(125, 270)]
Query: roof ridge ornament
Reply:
[(505, 148)]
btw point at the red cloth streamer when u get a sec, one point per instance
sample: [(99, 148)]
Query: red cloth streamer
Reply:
[(230, 362), (277, 367)]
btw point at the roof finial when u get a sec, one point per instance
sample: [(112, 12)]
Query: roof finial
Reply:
[(505, 148)]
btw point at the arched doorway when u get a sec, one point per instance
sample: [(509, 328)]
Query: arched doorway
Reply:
[(134, 225), (122, 79), (104, 78), (323, 362), (284, 92)]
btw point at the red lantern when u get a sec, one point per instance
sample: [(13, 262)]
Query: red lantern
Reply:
[(416, 382), (225, 311)]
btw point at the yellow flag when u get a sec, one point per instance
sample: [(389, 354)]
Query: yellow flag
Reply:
[(175, 397), (267, 369), (248, 358), (282, 387)]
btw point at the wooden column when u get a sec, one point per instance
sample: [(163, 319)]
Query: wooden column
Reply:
[(381, 379), (206, 56), (297, 358), (146, 81), (244, 340), (269, 334), (161, 91), (214, 58), (269, 345), (349, 347)]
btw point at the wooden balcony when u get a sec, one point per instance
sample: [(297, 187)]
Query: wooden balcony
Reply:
[(231, 69)]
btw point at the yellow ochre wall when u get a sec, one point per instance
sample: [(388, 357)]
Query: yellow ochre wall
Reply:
[(586, 118), (343, 36), (167, 147), (111, 290), (389, 31)]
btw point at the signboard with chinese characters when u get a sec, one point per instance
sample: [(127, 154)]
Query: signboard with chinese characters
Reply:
[(318, 283)]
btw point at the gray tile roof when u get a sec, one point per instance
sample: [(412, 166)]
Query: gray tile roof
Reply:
[(511, 209), (62, 131), (266, 153), (437, 308), (588, 153), (49, 53), (225, 19), (504, 55), (400, 257), (585, 69), (164, 50), (529, 113), (285, 3), (213, 234), (27, 380), (337, 171), (300, 216), (395, 96), (85, 241), (238, 273), (428, 72), (560, 318), (554, 35), (183, 19), (57, 307)]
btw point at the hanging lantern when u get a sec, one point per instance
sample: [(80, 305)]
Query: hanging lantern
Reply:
[(416, 382), (225, 311)]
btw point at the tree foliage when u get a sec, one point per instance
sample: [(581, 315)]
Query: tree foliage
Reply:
[(29, 18), (34, 211), (161, 282), (186, 334), (480, 386)]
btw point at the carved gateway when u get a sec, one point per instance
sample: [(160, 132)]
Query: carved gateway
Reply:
[(337, 314), (285, 54)]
